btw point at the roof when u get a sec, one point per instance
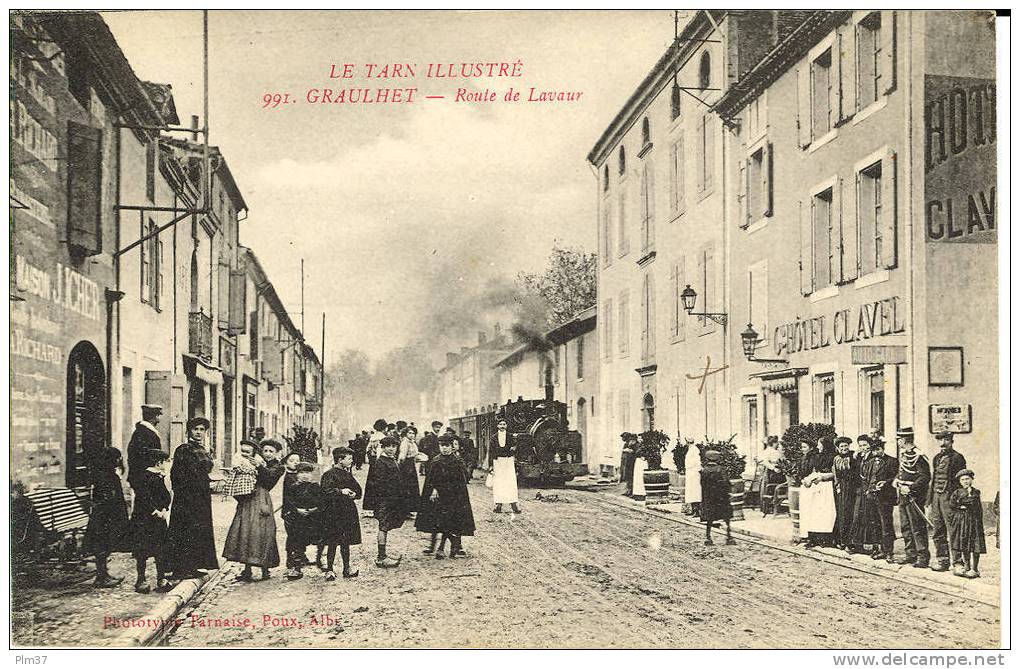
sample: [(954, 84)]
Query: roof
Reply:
[(651, 84), (778, 60), (268, 291), (583, 322), (220, 167)]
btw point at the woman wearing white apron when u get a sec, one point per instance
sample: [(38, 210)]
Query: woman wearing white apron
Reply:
[(692, 479), (817, 497), (640, 465), (504, 469)]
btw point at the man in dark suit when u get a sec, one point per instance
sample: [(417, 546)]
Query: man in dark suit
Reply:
[(145, 437), (468, 452), (946, 464), (429, 444), (880, 497)]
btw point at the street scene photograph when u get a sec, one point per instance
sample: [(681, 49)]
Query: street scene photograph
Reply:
[(663, 329)]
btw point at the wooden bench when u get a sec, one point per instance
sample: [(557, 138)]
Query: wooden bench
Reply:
[(61, 517)]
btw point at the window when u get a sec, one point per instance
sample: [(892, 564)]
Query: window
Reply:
[(648, 317), (150, 170), (607, 240), (624, 245), (624, 325), (869, 217), (876, 401), (605, 178), (676, 176), (789, 410), (678, 317), (646, 132), (624, 411), (150, 265), (869, 59), (674, 102), (826, 388), (706, 149), (647, 207), (751, 424), (826, 246), (705, 71), (580, 357), (757, 185), (822, 83), (623, 162), (756, 117), (607, 329), (707, 288)]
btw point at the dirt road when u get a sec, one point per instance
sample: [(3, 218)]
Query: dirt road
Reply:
[(579, 572)]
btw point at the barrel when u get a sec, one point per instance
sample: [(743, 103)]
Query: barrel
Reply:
[(737, 498), (793, 500), (656, 485)]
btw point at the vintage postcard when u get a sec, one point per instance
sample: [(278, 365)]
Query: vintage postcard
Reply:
[(518, 329)]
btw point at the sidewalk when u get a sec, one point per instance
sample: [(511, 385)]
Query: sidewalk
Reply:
[(779, 530)]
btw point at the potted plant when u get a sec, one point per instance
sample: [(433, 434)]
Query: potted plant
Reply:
[(733, 462), (655, 479), (791, 445), (680, 451)]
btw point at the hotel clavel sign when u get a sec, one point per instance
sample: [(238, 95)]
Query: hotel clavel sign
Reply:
[(871, 319)]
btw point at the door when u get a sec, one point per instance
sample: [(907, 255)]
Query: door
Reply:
[(582, 427), (86, 412)]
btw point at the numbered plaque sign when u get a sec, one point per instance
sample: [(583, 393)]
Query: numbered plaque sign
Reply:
[(949, 418)]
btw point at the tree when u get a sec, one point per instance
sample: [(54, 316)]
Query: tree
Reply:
[(567, 286)]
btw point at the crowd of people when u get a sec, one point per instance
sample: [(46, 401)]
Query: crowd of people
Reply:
[(848, 496), (171, 521)]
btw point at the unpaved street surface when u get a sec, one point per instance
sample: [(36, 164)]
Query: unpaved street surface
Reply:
[(582, 573)]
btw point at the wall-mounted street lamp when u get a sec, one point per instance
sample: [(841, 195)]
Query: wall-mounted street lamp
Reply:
[(749, 340), (688, 297)]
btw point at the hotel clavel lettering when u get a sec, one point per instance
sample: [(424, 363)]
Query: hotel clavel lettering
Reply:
[(871, 319)]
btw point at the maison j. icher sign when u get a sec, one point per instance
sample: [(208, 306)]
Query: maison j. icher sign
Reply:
[(871, 319)]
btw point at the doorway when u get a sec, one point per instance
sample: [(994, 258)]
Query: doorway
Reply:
[(582, 427), (86, 412), (648, 412)]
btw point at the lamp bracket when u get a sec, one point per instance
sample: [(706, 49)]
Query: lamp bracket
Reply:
[(721, 319)]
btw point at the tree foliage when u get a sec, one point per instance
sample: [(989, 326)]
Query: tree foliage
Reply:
[(567, 286)]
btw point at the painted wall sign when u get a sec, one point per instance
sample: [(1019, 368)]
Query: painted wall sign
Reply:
[(959, 159), (871, 319), (954, 418), (878, 355)]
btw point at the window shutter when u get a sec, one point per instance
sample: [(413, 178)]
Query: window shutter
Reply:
[(650, 170), (674, 284), (624, 242), (851, 232), (644, 318), (889, 210), (806, 282), (160, 267), (681, 271), (742, 214), (888, 38), (650, 315), (804, 105), (238, 302), (84, 187), (835, 237), (767, 178), (222, 294), (835, 80), (848, 74)]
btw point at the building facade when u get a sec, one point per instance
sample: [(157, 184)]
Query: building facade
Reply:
[(468, 383)]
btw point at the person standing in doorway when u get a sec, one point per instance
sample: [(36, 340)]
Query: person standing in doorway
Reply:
[(945, 467), (504, 468), (191, 540)]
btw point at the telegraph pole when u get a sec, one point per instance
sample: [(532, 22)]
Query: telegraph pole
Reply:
[(322, 385)]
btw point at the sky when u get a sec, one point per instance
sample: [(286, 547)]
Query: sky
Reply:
[(401, 211)]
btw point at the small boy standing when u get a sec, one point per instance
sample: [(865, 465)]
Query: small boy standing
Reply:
[(445, 504), (966, 525), (715, 496), (341, 525), (391, 502), (302, 518)]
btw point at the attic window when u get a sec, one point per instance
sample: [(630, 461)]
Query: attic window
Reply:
[(674, 102), (646, 132), (705, 71)]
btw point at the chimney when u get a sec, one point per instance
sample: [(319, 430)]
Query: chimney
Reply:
[(481, 338), (194, 128)]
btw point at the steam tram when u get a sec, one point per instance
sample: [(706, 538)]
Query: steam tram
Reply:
[(548, 452)]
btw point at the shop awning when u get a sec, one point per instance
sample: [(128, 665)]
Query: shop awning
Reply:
[(199, 369), (780, 380)]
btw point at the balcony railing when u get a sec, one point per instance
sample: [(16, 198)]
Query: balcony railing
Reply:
[(200, 336)]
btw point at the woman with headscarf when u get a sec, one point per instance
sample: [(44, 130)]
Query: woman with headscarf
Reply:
[(108, 530), (251, 539), (192, 546), (817, 499), (407, 462)]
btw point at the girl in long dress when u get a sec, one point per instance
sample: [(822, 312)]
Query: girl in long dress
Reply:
[(341, 525), (108, 530), (445, 504), (251, 539), (504, 468), (966, 526), (191, 540)]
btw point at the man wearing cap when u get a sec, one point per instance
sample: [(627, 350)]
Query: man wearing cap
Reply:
[(192, 545), (880, 497), (911, 487), (945, 467), (429, 444), (145, 437)]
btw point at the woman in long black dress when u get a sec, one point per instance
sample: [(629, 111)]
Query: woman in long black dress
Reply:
[(149, 517), (192, 546), (445, 505), (108, 530), (715, 495), (251, 539), (340, 524)]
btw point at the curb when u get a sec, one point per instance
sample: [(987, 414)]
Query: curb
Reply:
[(984, 594), (166, 612)]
